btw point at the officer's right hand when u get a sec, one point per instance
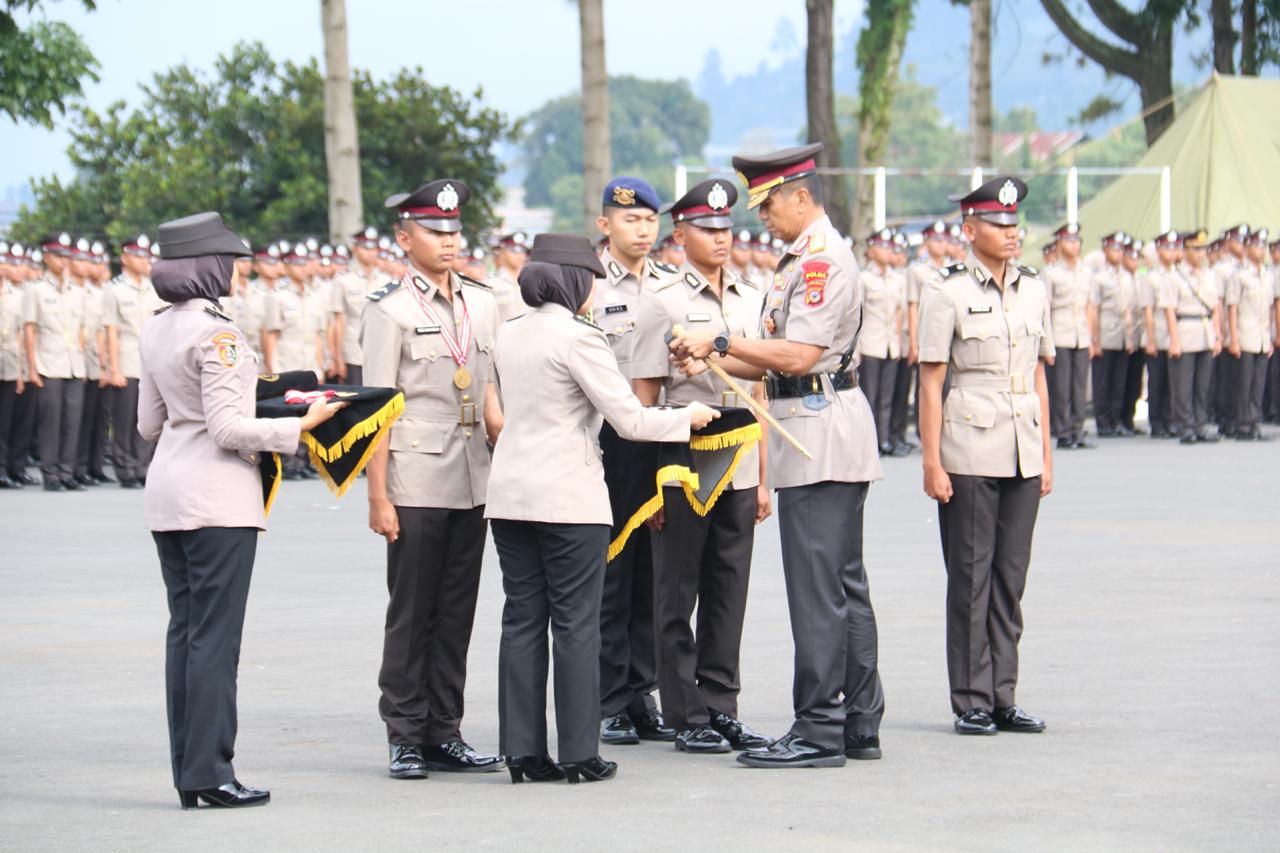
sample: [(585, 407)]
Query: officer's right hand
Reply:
[(1235, 349), (1175, 351), (700, 415), (937, 484), (118, 380), (36, 380), (383, 519), (321, 410), (1151, 350), (657, 521)]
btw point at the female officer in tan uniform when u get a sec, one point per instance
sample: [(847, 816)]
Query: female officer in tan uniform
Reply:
[(550, 508), (203, 501)]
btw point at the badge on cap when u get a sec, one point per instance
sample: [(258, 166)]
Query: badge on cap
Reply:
[(624, 196), (1008, 195), (717, 198), (447, 198)]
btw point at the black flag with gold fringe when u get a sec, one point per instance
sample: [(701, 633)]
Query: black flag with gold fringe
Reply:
[(341, 446), (703, 468)]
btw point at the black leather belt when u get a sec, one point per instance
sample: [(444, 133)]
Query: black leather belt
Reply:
[(1194, 317), (782, 387)]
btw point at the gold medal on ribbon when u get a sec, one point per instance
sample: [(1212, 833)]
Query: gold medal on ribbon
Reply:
[(462, 378)]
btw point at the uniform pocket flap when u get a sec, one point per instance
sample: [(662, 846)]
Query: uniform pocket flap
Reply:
[(418, 437), (970, 409), (426, 347), (978, 329)]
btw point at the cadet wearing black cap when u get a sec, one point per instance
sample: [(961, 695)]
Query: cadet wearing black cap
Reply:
[(431, 335), (987, 454), (811, 316), (1110, 327), (1251, 307), (509, 257), (1067, 280), (1189, 300)]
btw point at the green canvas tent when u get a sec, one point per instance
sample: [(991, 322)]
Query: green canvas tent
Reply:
[(1223, 150)]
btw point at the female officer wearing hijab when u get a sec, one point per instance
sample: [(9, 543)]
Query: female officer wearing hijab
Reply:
[(550, 507), (203, 500)]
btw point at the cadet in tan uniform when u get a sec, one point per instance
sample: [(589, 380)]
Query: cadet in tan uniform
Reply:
[(628, 647), (1224, 398), (881, 323), (987, 454), (1168, 253), (509, 256), (702, 560), (1188, 297), (13, 362), (1135, 341), (28, 265), (291, 329), (351, 289), (904, 369), (92, 268), (1110, 329), (1251, 306), (431, 335), (740, 257), (1067, 280), (809, 326)]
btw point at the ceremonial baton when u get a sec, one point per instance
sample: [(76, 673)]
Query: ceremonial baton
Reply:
[(752, 403)]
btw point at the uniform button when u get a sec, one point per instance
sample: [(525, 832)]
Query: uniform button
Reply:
[(466, 398), (468, 433), (431, 354), (968, 417), (413, 443), (1015, 343), (793, 410), (1017, 413), (1008, 308)]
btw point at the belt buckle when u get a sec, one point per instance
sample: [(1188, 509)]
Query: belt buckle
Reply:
[(1018, 383), (729, 399), (467, 414)]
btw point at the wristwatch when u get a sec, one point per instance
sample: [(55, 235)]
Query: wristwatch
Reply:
[(721, 344)]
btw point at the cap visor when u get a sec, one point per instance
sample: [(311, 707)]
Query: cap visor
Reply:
[(445, 226), (713, 222), (999, 217)]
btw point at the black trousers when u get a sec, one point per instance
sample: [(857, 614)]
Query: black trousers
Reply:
[(986, 532), (703, 561), (628, 647), (61, 401), (552, 574), (130, 452), (1134, 368), (1108, 387), (876, 377), (1224, 402), (355, 374), (206, 575), (1190, 383), (836, 690), (1159, 403), (95, 429), (433, 577), (903, 377), (1250, 379), (1068, 392), (9, 399), (22, 431), (1271, 397)]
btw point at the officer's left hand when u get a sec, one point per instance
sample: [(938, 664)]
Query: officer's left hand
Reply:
[(1217, 349), (657, 521), (690, 366), (1046, 480), (687, 347), (764, 503)]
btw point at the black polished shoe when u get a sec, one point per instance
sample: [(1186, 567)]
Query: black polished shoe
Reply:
[(101, 478), (650, 726), (456, 757), (54, 486), (1065, 444), (592, 770), (1205, 438), (24, 479), (407, 762), (1014, 719), (702, 739), (975, 722), (886, 449), (71, 484), (738, 734), (617, 730), (535, 768), (862, 747), (1187, 439), (793, 751), (902, 449), (1081, 444), (232, 795), (6, 483), (85, 480), (130, 483)]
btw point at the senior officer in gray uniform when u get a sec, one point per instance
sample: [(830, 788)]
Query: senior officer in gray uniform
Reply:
[(431, 335), (810, 323), (701, 559), (987, 454), (628, 647)]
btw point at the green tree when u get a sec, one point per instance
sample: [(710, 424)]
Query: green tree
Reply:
[(41, 66), (653, 123), (248, 141), (880, 46)]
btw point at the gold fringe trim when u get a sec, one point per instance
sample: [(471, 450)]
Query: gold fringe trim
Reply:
[(698, 506), (275, 487), (376, 425), (732, 438), (679, 473)]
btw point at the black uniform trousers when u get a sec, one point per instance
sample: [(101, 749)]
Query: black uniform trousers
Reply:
[(433, 577), (628, 647), (355, 374), (206, 575), (1134, 366), (1224, 403), (876, 377), (9, 401), (903, 378), (1159, 405), (986, 532), (552, 574), (61, 402), (130, 452), (1108, 388), (1190, 383), (836, 689), (1068, 392), (1271, 396), (95, 429), (1250, 379), (703, 561)]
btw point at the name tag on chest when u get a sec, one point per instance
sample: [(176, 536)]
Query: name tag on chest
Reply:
[(980, 309), (427, 330), (698, 318), (615, 309)]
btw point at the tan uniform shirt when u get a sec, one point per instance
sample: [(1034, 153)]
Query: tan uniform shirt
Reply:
[(1251, 291), (991, 341), (197, 396), (560, 380), (129, 306), (1068, 289), (295, 316), (879, 312), (350, 294), (506, 291), (439, 456), (1223, 271), (1107, 291), (1136, 333), (686, 299), (58, 314), (1191, 294), (815, 298), (1149, 286), (93, 317), (617, 302), (13, 361)]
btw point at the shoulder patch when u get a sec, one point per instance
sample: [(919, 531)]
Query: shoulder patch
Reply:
[(473, 282), (389, 287), (584, 321), (227, 346), (214, 312), (814, 276), (951, 270)]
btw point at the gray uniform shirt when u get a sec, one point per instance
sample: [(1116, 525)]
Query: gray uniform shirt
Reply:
[(1251, 292), (294, 316), (350, 294), (57, 310), (129, 306), (13, 362), (1068, 289), (1109, 294), (616, 305)]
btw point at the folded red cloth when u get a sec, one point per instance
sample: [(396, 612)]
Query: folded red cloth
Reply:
[(306, 398)]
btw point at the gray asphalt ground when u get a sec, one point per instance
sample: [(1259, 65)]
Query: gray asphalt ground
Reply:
[(1151, 647)]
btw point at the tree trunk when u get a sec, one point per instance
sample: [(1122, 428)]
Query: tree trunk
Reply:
[(1224, 38), (596, 160), (821, 103), (880, 46), (341, 135), (1249, 38), (980, 80), (1156, 88)]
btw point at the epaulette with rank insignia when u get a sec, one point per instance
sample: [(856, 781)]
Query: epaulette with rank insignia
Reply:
[(389, 287), (1025, 270), (734, 278), (209, 309), (161, 310), (584, 321), (951, 270), (664, 267), (471, 281)]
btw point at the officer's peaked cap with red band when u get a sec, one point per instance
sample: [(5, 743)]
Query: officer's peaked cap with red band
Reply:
[(437, 205), (707, 205), (996, 201), (767, 172)]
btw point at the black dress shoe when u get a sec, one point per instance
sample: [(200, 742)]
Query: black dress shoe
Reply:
[(100, 478), (650, 726), (793, 751), (592, 770), (1187, 439), (232, 795), (1081, 444), (701, 739), (975, 722), (85, 480), (1014, 719), (6, 483), (738, 734), (407, 762), (130, 483), (1205, 438), (24, 479), (71, 484), (1065, 444), (886, 449), (54, 486), (617, 730), (902, 449), (456, 757), (535, 768), (862, 747)]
